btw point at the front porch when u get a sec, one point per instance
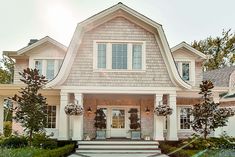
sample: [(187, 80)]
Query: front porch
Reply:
[(116, 107)]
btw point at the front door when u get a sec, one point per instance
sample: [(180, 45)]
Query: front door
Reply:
[(118, 122)]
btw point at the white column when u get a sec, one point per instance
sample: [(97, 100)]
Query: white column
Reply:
[(63, 118), (158, 120), (172, 119), (78, 120), (1, 115)]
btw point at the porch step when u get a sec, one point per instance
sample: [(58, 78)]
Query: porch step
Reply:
[(149, 147)]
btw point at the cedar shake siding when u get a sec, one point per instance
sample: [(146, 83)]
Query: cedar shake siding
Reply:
[(119, 28)]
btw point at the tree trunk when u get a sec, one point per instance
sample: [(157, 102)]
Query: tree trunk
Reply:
[(30, 137)]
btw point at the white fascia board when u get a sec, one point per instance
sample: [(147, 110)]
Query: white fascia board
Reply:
[(41, 41), (191, 49)]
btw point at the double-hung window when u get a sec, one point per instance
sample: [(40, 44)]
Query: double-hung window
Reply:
[(119, 55)]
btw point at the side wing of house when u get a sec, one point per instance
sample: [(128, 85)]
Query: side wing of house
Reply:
[(47, 56)]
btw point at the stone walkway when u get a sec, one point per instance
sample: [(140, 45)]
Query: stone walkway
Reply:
[(117, 155)]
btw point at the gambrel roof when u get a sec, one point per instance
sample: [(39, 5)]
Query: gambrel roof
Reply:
[(119, 10)]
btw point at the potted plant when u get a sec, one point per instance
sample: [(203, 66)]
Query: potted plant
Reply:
[(134, 124), (100, 124)]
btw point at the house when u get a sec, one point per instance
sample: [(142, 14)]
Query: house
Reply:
[(117, 59)]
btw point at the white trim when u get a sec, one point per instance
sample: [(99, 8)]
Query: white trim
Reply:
[(40, 42), (78, 35), (192, 69), (191, 49), (109, 43), (178, 117)]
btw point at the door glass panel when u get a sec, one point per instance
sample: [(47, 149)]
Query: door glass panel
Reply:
[(118, 118)]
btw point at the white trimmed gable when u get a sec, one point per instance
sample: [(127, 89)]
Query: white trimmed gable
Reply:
[(119, 10)]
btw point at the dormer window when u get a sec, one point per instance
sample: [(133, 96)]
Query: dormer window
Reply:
[(119, 55), (184, 70)]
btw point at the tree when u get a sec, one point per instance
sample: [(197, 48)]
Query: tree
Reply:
[(208, 115), (221, 50), (6, 70), (30, 110)]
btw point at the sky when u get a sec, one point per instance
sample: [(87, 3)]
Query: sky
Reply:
[(182, 20)]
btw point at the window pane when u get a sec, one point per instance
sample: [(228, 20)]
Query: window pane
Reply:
[(184, 118), (137, 57), (185, 71), (118, 118), (119, 56), (101, 56), (51, 116), (38, 65), (50, 69)]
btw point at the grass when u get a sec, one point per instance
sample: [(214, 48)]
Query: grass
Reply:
[(24, 152)]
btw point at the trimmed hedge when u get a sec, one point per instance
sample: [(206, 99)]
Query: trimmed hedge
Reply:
[(58, 152), (14, 142), (181, 153)]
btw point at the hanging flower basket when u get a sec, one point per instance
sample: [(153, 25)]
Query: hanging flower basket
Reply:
[(163, 110), (73, 109)]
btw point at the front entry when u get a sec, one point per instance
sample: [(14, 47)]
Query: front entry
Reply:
[(118, 122)]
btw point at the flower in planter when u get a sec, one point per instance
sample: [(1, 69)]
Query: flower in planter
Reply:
[(163, 110), (74, 109)]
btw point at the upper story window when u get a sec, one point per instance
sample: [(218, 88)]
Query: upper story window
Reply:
[(184, 70), (48, 67), (119, 55), (38, 65)]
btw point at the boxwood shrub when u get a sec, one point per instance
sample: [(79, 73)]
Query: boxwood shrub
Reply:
[(58, 152)]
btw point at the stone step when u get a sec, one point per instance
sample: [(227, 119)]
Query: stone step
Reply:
[(118, 142), (119, 146), (149, 151)]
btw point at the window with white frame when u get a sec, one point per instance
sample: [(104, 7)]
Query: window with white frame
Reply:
[(119, 55), (48, 67), (101, 56), (184, 70), (185, 118), (51, 116), (38, 65)]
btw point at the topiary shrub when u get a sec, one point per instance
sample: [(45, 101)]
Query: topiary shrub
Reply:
[(14, 142), (7, 128), (42, 141)]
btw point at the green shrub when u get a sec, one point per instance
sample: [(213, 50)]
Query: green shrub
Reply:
[(14, 142), (181, 153), (7, 128), (21, 152), (58, 152), (42, 141)]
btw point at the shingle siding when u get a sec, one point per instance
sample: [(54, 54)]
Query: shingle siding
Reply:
[(82, 74), (20, 64)]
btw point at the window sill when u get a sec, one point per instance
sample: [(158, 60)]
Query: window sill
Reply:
[(185, 130), (118, 70)]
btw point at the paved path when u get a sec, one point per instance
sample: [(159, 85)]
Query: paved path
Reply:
[(116, 155)]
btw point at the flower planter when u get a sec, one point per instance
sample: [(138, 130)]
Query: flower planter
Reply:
[(135, 135), (101, 134)]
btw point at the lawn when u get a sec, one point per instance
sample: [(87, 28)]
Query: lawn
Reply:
[(24, 152)]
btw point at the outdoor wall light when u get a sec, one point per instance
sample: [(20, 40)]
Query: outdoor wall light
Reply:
[(89, 110), (147, 110)]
